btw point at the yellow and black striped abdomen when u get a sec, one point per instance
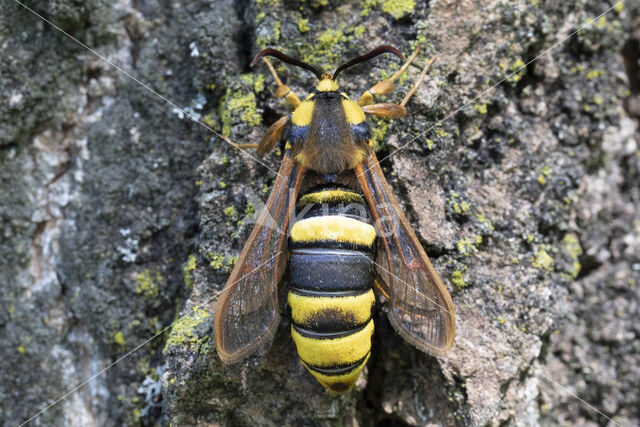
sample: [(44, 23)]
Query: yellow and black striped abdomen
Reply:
[(331, 295)]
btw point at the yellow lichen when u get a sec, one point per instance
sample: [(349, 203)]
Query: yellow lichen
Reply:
[(324, 48), (182, 331), (118, 338), (545, 172), (303, 25), (367, 6), (458, 205), (231, 212), (187, 271), (486, 222), (571, 245), (594, 74), (480, 108), (398, 8), (542, 260), (469, 245), (457, 279), (148, 284), (517, 69)]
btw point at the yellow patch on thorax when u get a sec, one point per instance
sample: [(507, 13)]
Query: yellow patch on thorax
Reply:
[(337, 351), (336, 228), (358, 157), (302, 115), (329, 196), (327, 85), (354, 307), (353, 112)]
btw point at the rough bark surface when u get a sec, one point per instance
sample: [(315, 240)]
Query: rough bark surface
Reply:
[(121, 215)]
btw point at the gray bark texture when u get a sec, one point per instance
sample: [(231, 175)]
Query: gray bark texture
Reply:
[(121, 215)]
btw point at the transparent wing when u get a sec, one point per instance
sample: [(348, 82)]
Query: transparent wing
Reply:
[(420, 308), (246, 314)]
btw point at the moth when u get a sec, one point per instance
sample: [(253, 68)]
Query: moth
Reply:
[(333, 221)]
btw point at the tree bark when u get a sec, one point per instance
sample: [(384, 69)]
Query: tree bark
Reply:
[(123, 210)]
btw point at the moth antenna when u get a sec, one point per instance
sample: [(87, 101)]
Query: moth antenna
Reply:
[(367, 56), (284, 58)]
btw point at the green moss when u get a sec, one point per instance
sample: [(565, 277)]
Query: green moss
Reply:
[(187, 271), (182, 332), (303, 25), (457, 278), (118, 338), (542, 260), (398, 8), (148, 284)]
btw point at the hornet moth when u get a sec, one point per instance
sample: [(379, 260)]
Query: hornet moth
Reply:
[(333, 221)]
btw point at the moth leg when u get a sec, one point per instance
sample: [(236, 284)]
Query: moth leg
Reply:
[(386, 110), (283, 90), (394, 111), (386, 86), (236, 145), (270, 138), (413, 90)]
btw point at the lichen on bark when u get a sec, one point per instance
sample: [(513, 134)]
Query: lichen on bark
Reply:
[(121, 215)]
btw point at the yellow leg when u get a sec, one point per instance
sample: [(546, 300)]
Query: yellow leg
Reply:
[(413, 90), (283, 90), (386, 86), (394, 111), (241, 146), (268, 141)]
